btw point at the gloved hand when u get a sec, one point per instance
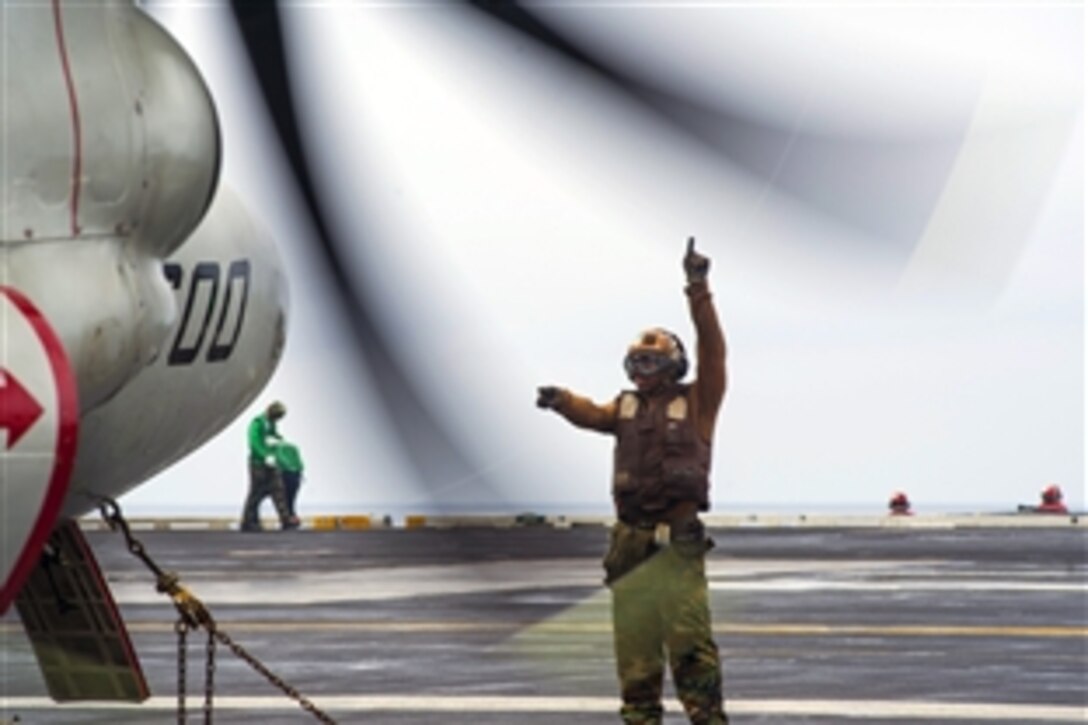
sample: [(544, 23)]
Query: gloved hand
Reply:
[(270, 461), (547, 396), (696, 265)]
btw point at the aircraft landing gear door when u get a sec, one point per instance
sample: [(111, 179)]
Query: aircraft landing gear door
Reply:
[(39, 419), (79, 638)]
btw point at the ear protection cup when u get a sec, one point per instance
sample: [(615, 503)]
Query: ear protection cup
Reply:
[(680, 357)]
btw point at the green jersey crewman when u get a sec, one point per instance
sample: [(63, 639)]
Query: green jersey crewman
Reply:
[(289, 461), (264, 473), (661, 480)]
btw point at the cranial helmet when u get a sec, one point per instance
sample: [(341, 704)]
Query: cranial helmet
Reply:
[(277, 410), (656, 351), (1052, 494)]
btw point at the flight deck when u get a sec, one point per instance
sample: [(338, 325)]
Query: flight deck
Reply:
[(920, 623)]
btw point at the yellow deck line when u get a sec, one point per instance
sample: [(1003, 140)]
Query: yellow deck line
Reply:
[(589, 627)]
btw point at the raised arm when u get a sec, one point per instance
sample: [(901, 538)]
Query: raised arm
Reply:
[(580, 411), (710, 371)]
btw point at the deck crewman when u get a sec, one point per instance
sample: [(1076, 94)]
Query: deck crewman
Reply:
[(655, 565), (264, 474)]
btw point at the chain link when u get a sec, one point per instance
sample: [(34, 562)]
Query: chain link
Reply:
[(209, 678), (287, 689), (182, 628), (192, 615)]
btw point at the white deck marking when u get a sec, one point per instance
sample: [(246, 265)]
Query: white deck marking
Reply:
[(734, 577), (896, 585), (880, 710)]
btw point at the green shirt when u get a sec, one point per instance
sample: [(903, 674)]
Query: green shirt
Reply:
[(288, 458), (263, 438)]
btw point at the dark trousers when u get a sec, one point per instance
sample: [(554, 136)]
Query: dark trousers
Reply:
[(291, 481), (264, 481), (661, 612)]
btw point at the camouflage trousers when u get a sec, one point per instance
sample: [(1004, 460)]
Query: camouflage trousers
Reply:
[(660, 610), (264, 482)]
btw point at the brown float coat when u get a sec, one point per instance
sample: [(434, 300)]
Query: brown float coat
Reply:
[(704, 395)]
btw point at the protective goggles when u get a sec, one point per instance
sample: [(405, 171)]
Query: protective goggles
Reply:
[(646, 364)]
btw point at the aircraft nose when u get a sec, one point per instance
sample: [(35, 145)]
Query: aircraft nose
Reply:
[(108, 129)]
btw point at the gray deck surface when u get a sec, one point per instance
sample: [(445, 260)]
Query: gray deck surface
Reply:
[(512, 626)]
